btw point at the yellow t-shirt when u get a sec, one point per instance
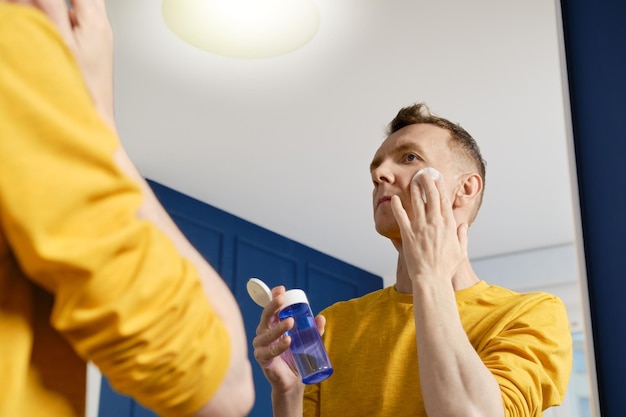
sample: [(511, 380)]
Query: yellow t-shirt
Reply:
[(81, 277), (524, 340)]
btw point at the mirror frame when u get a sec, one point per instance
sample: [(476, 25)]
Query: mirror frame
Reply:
[(593, 68)]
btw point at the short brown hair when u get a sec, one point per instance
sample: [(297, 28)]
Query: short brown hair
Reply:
[(420, 113)]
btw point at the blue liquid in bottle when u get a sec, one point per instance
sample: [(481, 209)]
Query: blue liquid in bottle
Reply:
[(307, 348)]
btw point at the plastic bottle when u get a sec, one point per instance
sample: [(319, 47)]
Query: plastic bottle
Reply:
[(307, 348)]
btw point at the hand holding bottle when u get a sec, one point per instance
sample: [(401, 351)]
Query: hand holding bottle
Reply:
[(287, 321)]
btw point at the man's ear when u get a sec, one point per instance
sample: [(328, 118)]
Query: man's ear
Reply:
[(468, 190)]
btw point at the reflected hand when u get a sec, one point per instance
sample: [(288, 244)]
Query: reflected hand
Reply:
[(271, 346), (86, 30), (271, 343)]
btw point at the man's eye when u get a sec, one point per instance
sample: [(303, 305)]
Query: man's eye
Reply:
[(411, 157)]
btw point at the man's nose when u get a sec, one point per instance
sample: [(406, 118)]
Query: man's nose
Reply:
[(383, 173)]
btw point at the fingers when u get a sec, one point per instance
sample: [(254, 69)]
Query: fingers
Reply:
[(419, 197), (269, 335), (270, 340), (270, 312), (434, 191), (400, 214), (92, 12), (58, 13), (82, 13), (320, 322)]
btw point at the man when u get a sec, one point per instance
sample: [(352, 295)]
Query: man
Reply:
[(91, 266), (441, 342)]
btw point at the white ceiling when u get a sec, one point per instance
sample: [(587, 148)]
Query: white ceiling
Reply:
[(286, 142)]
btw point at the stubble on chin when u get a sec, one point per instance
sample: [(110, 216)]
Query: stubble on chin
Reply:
[(387, 227)]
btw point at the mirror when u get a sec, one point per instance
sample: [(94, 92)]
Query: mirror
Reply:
[(286, 142)]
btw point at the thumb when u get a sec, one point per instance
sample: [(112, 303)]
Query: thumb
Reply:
[(320, 322)]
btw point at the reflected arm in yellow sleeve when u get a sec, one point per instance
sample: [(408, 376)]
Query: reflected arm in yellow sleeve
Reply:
[(124, 297)]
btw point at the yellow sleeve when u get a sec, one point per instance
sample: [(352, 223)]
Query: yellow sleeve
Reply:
[(532, 358), (124, 297)]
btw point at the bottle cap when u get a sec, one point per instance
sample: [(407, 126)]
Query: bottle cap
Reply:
[(294, 297), (259, 291)]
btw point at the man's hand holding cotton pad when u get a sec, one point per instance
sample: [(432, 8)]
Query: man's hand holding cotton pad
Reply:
[(434, 174)]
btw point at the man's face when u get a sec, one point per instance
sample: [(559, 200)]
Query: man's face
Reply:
[(395, 163)]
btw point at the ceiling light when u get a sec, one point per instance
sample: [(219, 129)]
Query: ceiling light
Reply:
[(243, 28)]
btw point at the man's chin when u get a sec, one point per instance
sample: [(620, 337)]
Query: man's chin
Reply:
[(391, 232)]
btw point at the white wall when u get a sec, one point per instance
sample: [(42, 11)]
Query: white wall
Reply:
[(553, 270)]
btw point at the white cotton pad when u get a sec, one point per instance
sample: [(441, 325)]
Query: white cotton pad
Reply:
[(259, 291), (434, 174)]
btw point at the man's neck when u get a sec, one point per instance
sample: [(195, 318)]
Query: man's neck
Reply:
[(465, 277)]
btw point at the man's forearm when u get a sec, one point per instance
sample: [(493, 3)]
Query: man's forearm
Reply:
[(454, 380)]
